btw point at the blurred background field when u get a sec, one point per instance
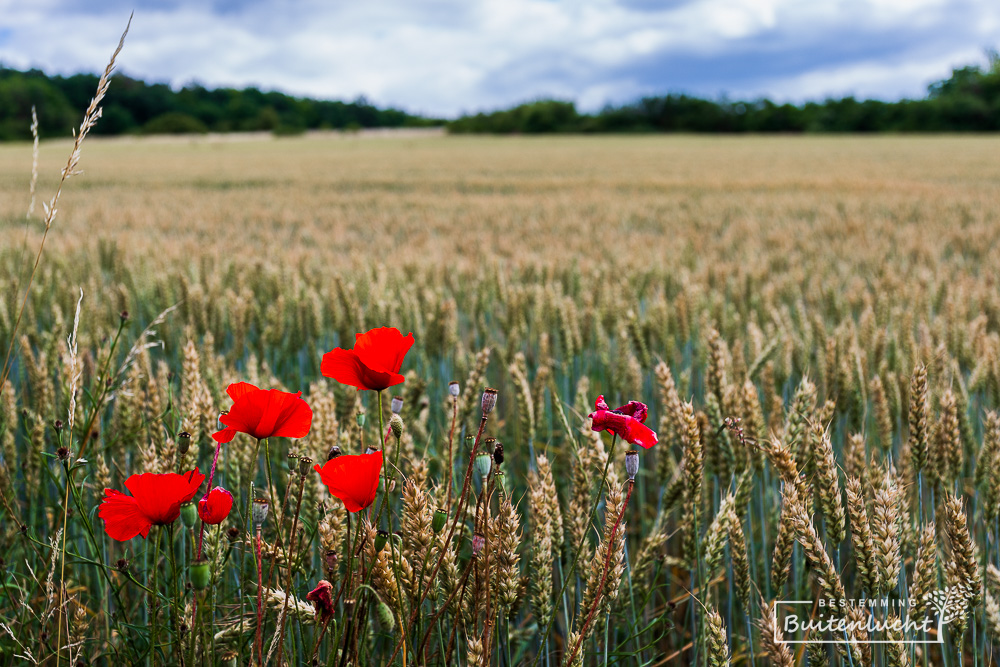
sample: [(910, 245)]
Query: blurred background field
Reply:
[(743, 263)]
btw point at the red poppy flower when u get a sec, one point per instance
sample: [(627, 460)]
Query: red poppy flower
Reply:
[(264, 413), (215, 506), (155, 501), (322, 599), (626, 421), (353, 479), (374, 362)]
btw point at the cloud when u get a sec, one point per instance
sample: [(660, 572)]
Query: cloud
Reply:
[(448, 56)]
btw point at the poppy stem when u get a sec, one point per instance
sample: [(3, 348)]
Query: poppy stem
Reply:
[(385, 470), (154, 594), (258, 643), (451, 440), (579, 547), (610, 548), (451, 530), (291, 570)]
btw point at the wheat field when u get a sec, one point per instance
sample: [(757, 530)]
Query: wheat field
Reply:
[(814, 323)]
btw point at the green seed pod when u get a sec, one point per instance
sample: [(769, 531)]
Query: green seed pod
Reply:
[(380, 539), (483, 464), (361, 419), (200, 575), (440, 518), (189, 515), (385, 616)]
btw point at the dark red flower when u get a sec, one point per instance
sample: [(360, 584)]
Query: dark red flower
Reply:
[(264, 413), (155, 501), (322, 599), (215, 506), (353, 479), (626, 421), (374, 362)]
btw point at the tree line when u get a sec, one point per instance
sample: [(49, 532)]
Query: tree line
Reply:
[(136, 107), (967, 101)]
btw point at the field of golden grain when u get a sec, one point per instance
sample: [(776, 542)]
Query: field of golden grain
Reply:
[(813, 322)]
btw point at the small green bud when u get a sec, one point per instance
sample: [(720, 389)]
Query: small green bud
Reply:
[(189, 515), (381, 537), (200, 574), (396, 425), (440, 518)]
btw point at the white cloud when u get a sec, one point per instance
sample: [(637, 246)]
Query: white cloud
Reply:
[(449, 56)]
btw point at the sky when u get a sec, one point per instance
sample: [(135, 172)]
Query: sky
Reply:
[(448, 57)]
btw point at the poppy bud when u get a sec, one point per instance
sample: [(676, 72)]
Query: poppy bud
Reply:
[(483, 464), (498, 454), (385, 616), (200, 574), (396, 425), (453, 388), (333, 453), (489, 400), (478, 542), (215, 506), (361, 419), (631, 464), (396, 405), (259, 513), (183, 442), (381, 537), (189, 515), (440, 518), (305, 465)]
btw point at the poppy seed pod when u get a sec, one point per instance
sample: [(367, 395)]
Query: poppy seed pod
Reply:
[(200, 574), (489, 400), (361, 419), (498, 454), (305, 465), (260, 507), (183, 442), (631, 464), (478, 542), (381, 537), (396, 425), (370, 450), (440, 518), (483, 464), (454, 388), (189, 515), (333, 453), (499, 477), (385, 616), (330, 561), (396, 405)]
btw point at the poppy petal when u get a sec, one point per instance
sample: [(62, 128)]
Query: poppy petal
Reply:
[(345, 367), (638, 433), (123, 519), (383, 349), (238, 389), (294, 421), (352, 478), (225, 435)]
